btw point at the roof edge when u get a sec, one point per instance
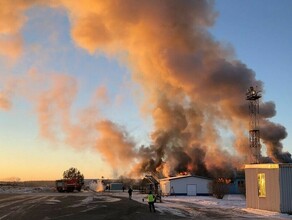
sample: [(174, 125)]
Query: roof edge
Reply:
[(180, 177), (267, 165)]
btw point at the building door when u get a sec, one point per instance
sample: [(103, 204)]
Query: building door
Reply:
[(191, 190)]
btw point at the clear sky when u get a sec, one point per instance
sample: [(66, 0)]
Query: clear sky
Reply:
[(52, 81)]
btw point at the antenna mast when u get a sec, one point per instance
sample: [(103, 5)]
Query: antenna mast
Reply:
[(253, 97)]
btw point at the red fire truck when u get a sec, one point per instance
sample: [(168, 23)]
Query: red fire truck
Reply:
[(68, 185)]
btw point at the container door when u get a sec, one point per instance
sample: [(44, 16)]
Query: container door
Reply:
[(192, 190)]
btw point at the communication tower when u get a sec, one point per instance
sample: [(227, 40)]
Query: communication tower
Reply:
[(253, 97)]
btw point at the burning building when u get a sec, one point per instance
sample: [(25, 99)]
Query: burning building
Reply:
[(185, 185), (194, 92)]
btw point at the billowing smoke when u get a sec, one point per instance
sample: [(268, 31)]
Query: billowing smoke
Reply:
[(271, 135), (11, 21), (193, 87), (115, 145), (53, 95)]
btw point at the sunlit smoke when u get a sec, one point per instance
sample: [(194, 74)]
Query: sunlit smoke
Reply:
[(194, 89), (5, 102)]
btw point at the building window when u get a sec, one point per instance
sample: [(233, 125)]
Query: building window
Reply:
[(262, 185)]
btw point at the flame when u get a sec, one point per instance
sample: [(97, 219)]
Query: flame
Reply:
[(223, 180)]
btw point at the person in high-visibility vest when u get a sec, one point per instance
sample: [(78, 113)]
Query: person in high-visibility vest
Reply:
[(151, 200)]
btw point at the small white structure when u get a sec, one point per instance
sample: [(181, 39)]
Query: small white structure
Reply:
[(269, 187), (185, 185)]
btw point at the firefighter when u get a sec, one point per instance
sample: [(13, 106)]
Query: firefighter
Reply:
[(130, 191), (151, 200)]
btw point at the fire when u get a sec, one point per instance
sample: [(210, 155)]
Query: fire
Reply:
[(184, 173), (223, 180)]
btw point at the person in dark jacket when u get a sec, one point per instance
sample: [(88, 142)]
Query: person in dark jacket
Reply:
[(130, 192)]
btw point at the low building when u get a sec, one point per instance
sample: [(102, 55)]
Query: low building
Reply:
[(116, 186), (237, 186), (269, 187), (185, 185)]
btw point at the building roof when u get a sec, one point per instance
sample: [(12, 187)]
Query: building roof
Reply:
[(184, 176), (268, 165)]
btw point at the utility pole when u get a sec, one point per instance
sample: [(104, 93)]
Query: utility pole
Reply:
[(253, 96)]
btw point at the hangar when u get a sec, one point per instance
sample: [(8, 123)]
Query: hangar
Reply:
[(185, 185)]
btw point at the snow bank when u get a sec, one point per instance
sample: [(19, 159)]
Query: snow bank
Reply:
[(22, 189)]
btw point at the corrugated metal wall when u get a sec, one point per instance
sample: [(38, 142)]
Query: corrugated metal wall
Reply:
[(286, 188), (202, 184), (179, 185), (251, 188)]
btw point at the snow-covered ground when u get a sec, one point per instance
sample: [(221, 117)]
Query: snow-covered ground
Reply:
[(177, 205)]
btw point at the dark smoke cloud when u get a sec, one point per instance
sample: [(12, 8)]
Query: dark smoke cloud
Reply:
[(272, 134), (193, 87), (268, 109)]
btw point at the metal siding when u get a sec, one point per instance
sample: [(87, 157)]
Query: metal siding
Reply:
[(180, 185), (286, 189), (251, 188), (272, 200)]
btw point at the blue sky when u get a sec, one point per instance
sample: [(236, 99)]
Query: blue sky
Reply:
[(259, 32)]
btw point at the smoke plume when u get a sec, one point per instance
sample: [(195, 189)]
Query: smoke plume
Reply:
[(12, 19), (194, 88), (115, 146)]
